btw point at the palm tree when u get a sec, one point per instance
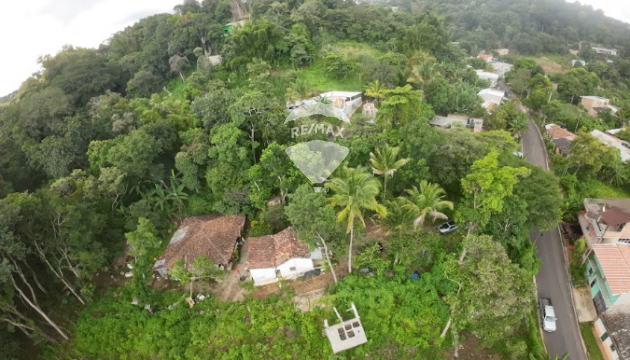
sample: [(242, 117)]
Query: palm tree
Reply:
[(519, 125), (428, 200), (422, 73), (399, 217), (355, 191), (385, 163), (376, 91)]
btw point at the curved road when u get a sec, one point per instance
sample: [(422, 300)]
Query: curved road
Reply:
[(553, 279)]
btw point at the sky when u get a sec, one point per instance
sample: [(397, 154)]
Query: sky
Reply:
[(38, 27), (32, 28)]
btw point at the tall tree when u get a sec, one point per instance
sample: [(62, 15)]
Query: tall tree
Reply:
[(355, 191), (385, 163), (485, 188)]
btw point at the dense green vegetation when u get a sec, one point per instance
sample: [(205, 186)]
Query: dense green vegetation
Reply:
[(115, 146)]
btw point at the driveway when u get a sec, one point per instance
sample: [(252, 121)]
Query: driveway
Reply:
[(553, 279)]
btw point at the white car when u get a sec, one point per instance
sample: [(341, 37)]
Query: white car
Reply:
[(548, 315), (448, 227)]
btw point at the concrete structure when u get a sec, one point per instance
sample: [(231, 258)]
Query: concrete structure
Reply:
[(501, 68), (595, 104), (488, 76), (605, 221), (277, 256), (457, 120), (369, 109), (609, 140), (581, 62), (491, 98), (213, 236), (612, 331), (604, 51), (503, 51), (348, 101), (347, 334)]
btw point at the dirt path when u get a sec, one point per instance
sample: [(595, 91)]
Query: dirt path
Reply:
[(231, 289)]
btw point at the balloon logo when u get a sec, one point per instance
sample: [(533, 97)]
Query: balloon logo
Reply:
[(317, 159)]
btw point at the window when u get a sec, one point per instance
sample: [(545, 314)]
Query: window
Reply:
[(604, 336), (612, 347), (590, 271), (593, 282), (625, 241)]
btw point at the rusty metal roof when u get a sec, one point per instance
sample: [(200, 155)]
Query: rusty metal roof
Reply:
[(207, 235)]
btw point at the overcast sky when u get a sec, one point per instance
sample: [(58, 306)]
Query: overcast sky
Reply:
[(37, 27)]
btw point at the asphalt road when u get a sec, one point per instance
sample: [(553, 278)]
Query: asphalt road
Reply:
[(552, 280)]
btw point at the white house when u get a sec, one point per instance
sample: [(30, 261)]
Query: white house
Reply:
[(491, 77), (348, 101), (277, 256), (491, 98)]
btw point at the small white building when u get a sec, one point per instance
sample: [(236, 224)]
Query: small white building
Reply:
[(612, 331), (491, 77), (282, 255), (491, 98), (348, 101), (605, 51)]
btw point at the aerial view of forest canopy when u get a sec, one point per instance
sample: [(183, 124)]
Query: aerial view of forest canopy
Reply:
[(179, 119)]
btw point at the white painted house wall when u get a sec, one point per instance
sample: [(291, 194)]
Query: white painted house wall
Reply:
[(264, 276), (624, 299), (608, 342), (294, 267)]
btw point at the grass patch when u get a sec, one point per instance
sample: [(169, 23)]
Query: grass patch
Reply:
[(316, 77), (594, 188), (591, 343), (553, 63)]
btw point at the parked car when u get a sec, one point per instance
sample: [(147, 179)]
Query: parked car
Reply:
[(448, 227), (310, 274), (547, 314)]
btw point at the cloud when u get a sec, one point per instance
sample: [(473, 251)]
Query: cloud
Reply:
[(39, 27), (66, 10)]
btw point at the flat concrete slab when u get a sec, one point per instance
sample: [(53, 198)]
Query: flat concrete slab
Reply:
[(584, 306)]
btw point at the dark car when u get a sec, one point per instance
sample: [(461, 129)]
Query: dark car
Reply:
[(448, 227), (312, 273)]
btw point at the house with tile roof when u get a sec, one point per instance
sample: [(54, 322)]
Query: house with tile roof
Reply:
[(491, 98), (281, 255), (210, 235), (605, 221), (560, 137), (608, 271)]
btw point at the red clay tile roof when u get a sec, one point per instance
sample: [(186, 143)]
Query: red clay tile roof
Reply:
[(615, 262), (556, 132), (210, 235), (273, 250)]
